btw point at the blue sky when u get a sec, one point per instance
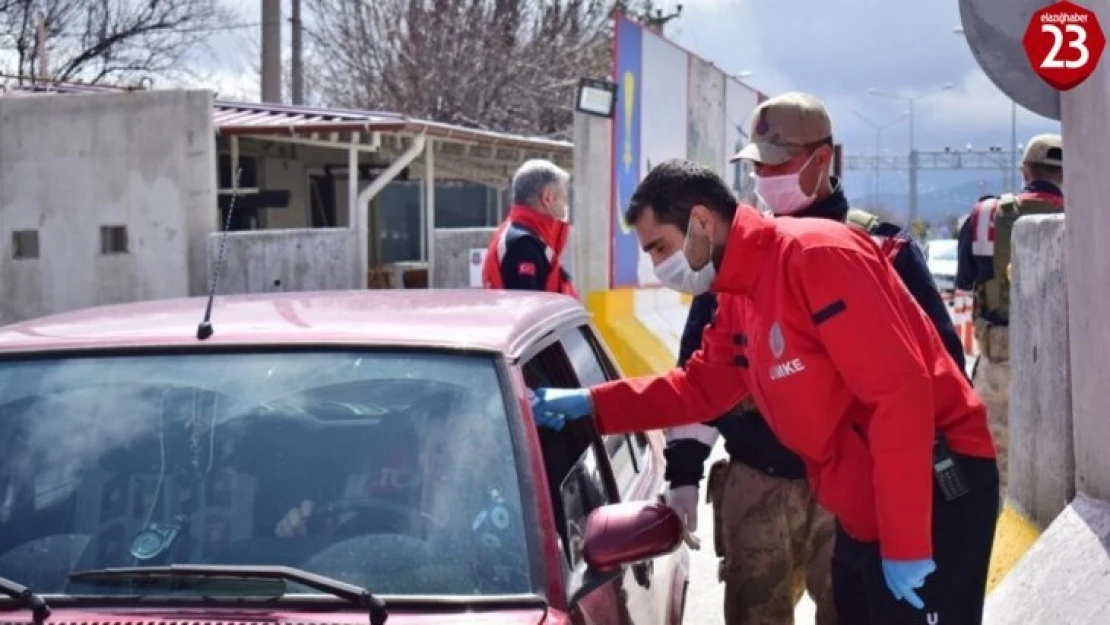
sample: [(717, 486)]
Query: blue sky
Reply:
[(837, 51)]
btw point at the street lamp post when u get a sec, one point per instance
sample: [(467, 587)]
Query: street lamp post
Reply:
[(1011, 176), (879, 128), (910, 100)]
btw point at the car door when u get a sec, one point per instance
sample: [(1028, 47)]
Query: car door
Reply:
[(578, 481), (654, 588)]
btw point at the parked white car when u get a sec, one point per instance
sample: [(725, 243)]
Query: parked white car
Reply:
[(940, 255)]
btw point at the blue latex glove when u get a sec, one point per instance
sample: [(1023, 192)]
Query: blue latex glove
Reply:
[(903, 577), (553, 407)]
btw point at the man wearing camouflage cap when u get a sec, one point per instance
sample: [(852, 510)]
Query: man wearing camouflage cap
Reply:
[(984, 256), (774, 539)]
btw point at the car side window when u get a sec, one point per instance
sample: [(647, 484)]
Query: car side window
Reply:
[(576, 483), (624, 450), (582, 491)]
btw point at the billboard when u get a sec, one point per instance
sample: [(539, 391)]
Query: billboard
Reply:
[(670, 104)]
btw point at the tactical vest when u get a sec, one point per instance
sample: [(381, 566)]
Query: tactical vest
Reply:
[(992, 224), (870, 224)]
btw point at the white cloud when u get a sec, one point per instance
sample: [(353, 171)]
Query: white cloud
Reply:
[(227, 84), (840, 50)]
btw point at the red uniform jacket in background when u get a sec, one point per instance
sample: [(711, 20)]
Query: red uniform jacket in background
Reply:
[(850, 374), (550, 233)]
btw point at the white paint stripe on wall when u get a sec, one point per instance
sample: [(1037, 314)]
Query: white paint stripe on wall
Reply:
[(662, 312)]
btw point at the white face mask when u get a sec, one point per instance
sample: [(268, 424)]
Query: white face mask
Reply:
[(675, 273), (783, 193)]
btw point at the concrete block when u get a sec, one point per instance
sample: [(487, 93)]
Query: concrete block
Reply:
[(1065, 578), (267, 261), (1042, 460)]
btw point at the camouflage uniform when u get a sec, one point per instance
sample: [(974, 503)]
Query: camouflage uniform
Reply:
[(992, 383), (984, 266), (775, 542)]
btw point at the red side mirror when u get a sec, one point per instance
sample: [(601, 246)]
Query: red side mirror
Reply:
[(629, 532)]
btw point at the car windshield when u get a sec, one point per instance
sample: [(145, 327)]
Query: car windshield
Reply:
[(942, 250), (391, 470)]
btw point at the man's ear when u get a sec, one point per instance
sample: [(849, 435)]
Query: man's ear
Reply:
[(824, 156), (702, 215)]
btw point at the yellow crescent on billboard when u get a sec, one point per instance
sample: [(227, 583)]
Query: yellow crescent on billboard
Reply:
[(629, 80)]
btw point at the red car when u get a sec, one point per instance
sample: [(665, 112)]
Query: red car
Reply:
[(323, 457)]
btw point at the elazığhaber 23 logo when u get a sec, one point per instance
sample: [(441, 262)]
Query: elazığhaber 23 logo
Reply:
[(1064, 42)]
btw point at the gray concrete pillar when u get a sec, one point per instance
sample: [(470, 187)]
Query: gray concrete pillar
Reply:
[(1086, 133), (591, 216), (1042, 461)]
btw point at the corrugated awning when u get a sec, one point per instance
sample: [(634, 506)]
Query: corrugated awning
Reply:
[(241, 118), (248, 119), (252, 119)]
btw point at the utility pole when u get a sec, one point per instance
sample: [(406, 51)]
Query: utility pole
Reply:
[(1011, 180), (40, 51), (271, 51), (298, 53)]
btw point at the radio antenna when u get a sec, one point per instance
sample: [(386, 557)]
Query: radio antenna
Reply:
[(204, 330)]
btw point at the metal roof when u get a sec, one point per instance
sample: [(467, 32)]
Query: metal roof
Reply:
[(231, 118), (253, 119)]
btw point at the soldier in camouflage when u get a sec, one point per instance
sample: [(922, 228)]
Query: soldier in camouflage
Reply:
[(774, 540), (984, 257)]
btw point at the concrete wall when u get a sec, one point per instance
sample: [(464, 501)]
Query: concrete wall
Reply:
[(71, 164), (452, 257), (265, 261), (1042, 459), (1086, 133)]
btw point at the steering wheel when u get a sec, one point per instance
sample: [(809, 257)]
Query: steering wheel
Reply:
[(371, 523)]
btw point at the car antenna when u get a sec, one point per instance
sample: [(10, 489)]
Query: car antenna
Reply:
[(204, 330)]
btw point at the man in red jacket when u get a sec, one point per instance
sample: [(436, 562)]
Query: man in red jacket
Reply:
[(816, 326), (524, 252)]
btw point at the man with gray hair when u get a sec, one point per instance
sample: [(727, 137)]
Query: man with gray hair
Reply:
[(524, 253)]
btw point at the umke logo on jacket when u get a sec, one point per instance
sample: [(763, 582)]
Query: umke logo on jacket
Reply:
[(778, 346)]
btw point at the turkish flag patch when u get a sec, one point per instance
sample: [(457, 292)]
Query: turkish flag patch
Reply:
[(526, 269)]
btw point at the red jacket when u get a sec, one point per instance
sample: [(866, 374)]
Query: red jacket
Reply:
[(849, 372), (524, 254)]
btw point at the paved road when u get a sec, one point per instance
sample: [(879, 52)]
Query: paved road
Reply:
[(706, 595)]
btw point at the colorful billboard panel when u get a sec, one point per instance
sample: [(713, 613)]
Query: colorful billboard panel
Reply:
[(670, 104), (626, 150)]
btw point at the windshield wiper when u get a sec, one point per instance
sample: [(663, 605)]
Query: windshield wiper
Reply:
[(355, 595), (24, 597)]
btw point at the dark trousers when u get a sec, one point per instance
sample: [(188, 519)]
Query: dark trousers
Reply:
[(963, 534)]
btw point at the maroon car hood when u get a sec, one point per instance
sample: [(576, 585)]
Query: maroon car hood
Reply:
[(261, 617)]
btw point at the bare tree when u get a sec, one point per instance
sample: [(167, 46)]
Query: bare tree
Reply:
[(508, 65), (94, 41)]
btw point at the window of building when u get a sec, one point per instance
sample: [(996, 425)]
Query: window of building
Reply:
[(459, 204), (25, 244), (113, 239)]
